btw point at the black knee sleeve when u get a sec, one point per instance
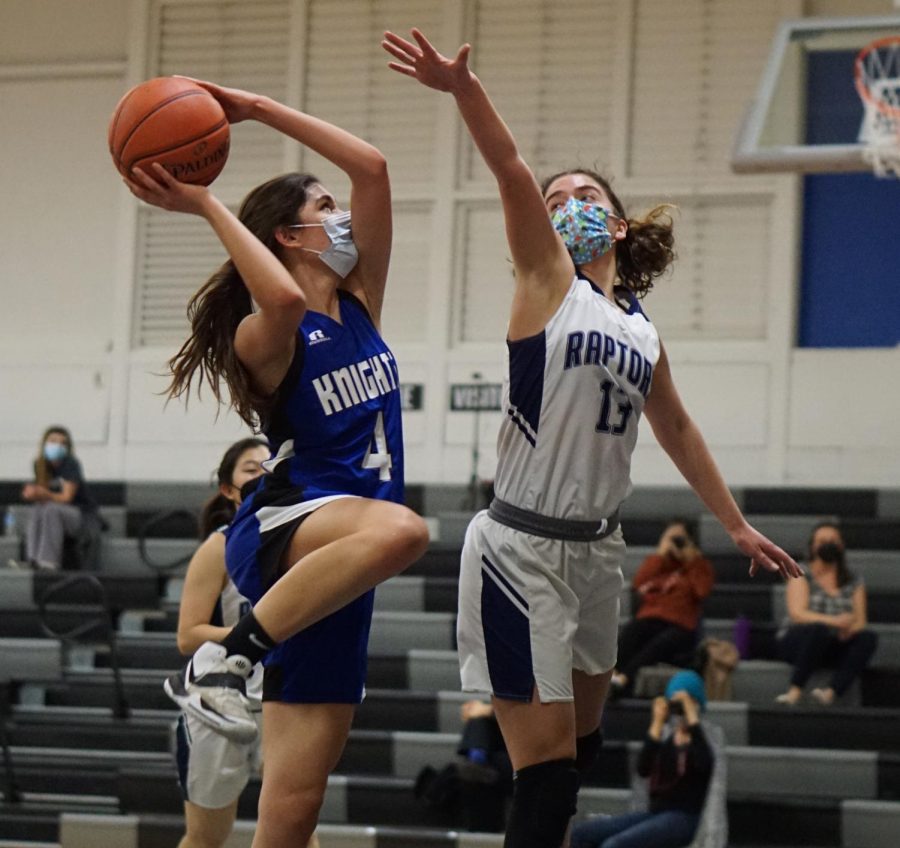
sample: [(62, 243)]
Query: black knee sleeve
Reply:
[(544, 798), (587, 749)]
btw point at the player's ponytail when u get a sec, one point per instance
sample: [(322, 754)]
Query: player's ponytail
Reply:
[(216, 512), (215, 312), (647, 249), (220, 305)]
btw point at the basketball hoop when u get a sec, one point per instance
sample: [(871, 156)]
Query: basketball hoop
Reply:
[(877, 76)]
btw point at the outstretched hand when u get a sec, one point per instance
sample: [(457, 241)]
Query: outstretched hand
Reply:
[(764, 553), (423, 63), (160, 188)]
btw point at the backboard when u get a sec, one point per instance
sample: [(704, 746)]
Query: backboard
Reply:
[(807, 115)]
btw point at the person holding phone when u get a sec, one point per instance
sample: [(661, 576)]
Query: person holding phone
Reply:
[(677, 760), (672, 585)]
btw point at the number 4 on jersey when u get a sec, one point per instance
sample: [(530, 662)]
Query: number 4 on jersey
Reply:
[(377, 455)]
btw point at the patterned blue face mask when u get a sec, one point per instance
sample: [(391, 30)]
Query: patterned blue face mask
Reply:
[(584, 229), (341, 255)]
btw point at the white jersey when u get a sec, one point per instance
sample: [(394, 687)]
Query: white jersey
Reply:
[(231, 607), (573, 396)]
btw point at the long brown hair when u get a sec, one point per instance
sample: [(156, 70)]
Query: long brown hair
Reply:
[(220, 305), (219, 510), (42, 473), (647, 249)]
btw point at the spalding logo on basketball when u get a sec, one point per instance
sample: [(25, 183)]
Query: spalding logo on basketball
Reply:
[(172, 121)]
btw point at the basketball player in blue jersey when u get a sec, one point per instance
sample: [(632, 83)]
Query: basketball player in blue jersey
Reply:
[(541, 569), (291, 324)]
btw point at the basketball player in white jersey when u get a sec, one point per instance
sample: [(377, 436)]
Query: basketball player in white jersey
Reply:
[(541, 569), (213, 770)]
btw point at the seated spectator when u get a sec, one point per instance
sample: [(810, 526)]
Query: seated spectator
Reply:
[(60, 498), (677, 759), (826, 623), (485, 770), (477, 786), (672, 585)]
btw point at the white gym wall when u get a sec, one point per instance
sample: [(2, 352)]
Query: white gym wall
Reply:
[(650, 91)]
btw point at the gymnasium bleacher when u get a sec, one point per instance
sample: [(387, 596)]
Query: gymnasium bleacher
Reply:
[(90, 749)]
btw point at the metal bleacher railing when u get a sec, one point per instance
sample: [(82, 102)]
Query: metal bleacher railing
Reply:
[(104, 625), (11, 792), (146, 531)]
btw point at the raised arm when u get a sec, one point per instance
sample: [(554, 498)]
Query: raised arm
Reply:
[(265, 340), (539, 255), (680, 438), (370, 188)]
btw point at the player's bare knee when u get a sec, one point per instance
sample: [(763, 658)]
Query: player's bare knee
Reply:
[(405, 539), (417, 537), (294, 809)]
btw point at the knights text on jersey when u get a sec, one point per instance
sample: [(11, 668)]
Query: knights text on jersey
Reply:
[(572, 399), (336, 428)]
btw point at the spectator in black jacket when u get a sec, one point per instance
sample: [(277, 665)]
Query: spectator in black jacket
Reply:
[(678, 766)]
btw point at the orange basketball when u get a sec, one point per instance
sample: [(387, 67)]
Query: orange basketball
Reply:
[(172, 121)]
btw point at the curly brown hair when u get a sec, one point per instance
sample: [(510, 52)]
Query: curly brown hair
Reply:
[(648, 247)]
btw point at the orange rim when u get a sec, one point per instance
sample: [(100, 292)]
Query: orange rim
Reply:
[(859, 72)]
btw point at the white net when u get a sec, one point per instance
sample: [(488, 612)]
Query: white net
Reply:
[(878, 83)]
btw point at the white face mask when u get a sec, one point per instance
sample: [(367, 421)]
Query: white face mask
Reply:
[(54, 451), (341, 256)]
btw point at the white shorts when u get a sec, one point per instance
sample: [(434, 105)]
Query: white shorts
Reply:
[(212, 770), (531, 609)]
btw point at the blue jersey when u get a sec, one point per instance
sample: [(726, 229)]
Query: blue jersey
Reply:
[(335, 428)]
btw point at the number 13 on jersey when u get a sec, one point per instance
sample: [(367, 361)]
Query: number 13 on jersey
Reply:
[(611, 396), (377, 455)]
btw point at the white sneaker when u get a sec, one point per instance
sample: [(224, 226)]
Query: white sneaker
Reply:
[(213, 688)]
